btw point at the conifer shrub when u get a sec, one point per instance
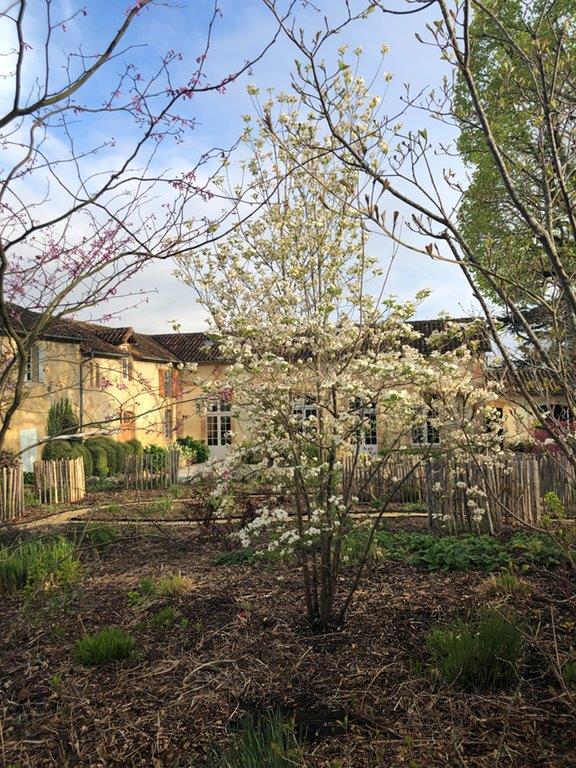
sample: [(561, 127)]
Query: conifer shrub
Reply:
[(61, 419)]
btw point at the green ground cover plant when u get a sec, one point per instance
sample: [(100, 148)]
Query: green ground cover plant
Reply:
[(236, 557), (473, 552)]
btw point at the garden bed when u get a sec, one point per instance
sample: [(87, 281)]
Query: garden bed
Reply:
[(232, 640)]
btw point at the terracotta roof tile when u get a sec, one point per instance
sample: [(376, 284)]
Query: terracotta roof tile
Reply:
[(93, 338), (189, 347)]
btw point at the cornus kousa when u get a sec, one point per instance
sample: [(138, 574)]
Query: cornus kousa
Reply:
[(324, 364)]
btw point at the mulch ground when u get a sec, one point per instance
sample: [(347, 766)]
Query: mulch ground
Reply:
[(365, 696)]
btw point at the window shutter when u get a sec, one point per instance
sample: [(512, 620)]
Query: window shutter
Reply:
[(161, 390), (38, 359), (168, 383), (176, 383)]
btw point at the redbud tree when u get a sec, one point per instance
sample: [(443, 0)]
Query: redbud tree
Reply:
[(81, 211)]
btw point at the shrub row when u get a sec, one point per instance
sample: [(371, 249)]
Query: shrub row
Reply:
[(102, 456)]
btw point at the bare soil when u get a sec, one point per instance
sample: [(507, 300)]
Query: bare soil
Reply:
[(365, 696)]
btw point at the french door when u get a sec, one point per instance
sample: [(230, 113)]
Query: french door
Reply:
[(219, 427)]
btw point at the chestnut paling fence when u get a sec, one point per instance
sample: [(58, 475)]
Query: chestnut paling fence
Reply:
[(57, 482), (60, 481), (510, 492), (11, 492), (151, 470)]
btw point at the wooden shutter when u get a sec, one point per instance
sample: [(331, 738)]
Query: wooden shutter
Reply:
[(40, 363), (161, 390), (176, 392)]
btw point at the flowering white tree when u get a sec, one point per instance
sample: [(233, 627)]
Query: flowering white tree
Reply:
[(317, 350), (506, 98)]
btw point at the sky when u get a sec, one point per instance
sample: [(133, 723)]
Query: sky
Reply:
[(158, 298)]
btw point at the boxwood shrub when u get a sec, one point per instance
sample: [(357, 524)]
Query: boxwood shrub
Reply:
[(137, 445), (57, 449)]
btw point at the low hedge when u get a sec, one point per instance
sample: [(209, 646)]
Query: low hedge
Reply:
[(107, 446), (57, 449), (88, 460), (137, 445), (100, 466), (120, 456)]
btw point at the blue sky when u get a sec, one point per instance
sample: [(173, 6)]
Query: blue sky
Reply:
[(244, 28)]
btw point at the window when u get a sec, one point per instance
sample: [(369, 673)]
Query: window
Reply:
[(168, 424), (168, 389), (219, 423), (34, 370), (29, 448), (494, 423), (95, 375), (165, 382), (127, 368), (426, 433), (367, 435), (303, 409), (127, 425), (561, 412)]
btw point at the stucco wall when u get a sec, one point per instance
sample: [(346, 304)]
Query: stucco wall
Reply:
[(61, 369), (139, 395)]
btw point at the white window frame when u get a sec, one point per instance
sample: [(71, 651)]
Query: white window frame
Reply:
[(127, 367), (35, 364), (426, 429), (219, 424), (369, 426), (303, 408), (168, 423)]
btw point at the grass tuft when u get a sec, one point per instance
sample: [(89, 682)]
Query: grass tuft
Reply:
[(260, 743), (110, 644), (480, 656), (101, 535), (38, 564), (507, 585), (175, 585), (163, 618), (569, 673)]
